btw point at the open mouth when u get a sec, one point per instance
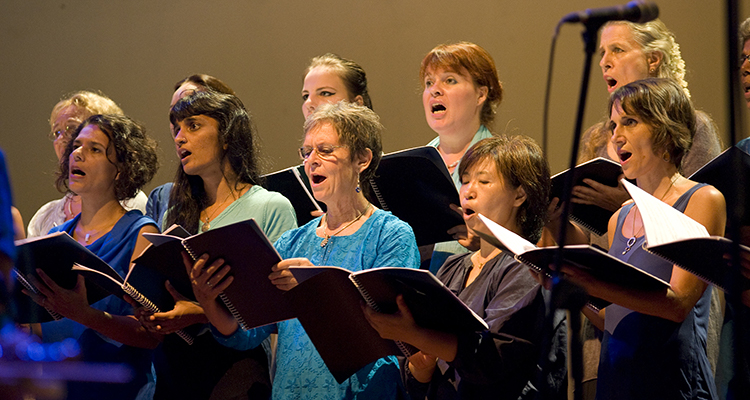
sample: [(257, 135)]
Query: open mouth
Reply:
[(624, 155), (611, 83), (77, 172), (183, 153), (318, 179), (468, 212), (438, 108)]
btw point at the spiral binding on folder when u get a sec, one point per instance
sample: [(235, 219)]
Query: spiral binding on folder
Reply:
[(189, 250), (586, 225), (233, 310), (142, 300), (370, 302), (375, 190), (33, 289)]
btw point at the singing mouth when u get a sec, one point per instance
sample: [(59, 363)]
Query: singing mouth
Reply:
[(182, 153), (468, 212), (624, 155), (438, 108), (318, 178), (77, 172), (611, 82)]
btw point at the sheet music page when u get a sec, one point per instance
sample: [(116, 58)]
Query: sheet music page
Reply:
[(662, 223), (514, 243)]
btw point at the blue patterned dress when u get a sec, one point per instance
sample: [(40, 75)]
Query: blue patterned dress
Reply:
[(382, 241)]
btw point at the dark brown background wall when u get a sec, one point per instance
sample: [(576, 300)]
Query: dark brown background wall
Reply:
[(134, 51)]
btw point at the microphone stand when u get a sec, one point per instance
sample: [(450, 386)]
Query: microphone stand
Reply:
[(566, 295), (736, 205)]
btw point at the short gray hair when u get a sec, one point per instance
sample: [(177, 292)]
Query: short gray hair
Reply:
[(358, 127)]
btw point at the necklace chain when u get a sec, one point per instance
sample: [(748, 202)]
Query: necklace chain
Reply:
[(206, 225), (480, 264), (632, 239), (325, 227), (79, 230), (453, 165)]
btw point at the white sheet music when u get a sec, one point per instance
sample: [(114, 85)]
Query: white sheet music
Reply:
[(661, 222)]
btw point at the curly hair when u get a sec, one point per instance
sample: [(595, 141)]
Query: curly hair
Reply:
[(350, 72), (358, 127), (87, 104), (654, 36), (665, 108), (520, 161), (133, 150), (237, 139), (480, 65)]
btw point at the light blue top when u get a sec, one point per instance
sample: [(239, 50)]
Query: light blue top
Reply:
[(382, 241), (275, 215), (444, 250), (272, 211)]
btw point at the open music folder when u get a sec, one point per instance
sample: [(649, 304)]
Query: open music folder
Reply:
[(683, 241), (335, 323), (593, 260), (602, 170)]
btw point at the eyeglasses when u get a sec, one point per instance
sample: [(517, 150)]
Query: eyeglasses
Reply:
[(743, 58), (66, 131), (324, 151)]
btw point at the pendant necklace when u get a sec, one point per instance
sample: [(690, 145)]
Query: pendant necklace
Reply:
[(206, 225), (632, 239), (325, 228), (475, 263)]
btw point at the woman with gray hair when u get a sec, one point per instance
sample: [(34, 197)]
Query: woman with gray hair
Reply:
[(341, 150), (630, 52)]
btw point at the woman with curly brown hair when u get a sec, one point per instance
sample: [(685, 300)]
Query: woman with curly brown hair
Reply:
[(67, 114), (108, 159)]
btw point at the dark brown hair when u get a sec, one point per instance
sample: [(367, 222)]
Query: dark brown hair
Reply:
[(134, 154), (520, 161), (237, 139)]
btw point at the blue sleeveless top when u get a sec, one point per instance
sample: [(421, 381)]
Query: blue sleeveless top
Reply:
[(647, 357)]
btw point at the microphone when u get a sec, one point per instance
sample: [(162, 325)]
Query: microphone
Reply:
[(636, 11)]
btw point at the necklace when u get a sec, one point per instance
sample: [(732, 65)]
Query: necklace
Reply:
[(96, 231), (69, 201), (87, 235), (632, 239), (480, 264), (325, 227), (453, 165), (206, 225)]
